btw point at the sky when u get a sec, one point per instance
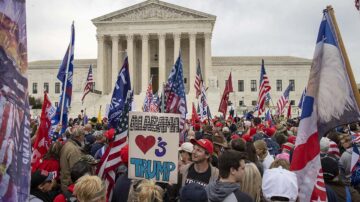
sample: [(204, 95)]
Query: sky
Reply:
[(242, 28)]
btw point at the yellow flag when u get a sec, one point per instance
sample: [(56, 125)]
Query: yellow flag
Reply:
[(99, 118)]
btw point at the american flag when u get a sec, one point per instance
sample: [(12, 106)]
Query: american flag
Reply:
[(264, 89), (155, 104), (111, 159), (89, 84), (268, 118), (198, 80), (284, 99), (175, 100), (148, 97), (320, 111)]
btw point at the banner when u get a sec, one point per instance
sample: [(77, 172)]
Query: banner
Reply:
[(153, 146), (15, 147)]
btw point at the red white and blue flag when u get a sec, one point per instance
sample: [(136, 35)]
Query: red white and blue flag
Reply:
[(203, 104), (155, 104), (89, 84), (321, 110), (175, 100), (283, 100), (148, 97), (264, 89), (198, 80)]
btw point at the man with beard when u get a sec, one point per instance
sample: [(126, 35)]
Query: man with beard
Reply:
[(200, 171)]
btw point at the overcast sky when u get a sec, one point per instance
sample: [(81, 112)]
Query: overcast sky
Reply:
[(242, 28)]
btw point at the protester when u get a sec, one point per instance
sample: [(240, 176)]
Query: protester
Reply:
[(279, 184), (280, 163), (69, 155), (123, 183), (79, 169), (185, 153), (90, 189), (231, 171), (41, 185), (100, 140), (343, 192), (345, 159), (200, 171), (145, 191), (262, 152), (50, 161), (251, 182), (193, 193)]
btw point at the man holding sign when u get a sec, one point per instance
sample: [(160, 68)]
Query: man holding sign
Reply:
[(201, 171)]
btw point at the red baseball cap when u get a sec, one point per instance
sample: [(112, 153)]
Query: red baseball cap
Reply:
[(204, 143)]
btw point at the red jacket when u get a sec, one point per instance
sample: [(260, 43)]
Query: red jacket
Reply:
[(50, 165)]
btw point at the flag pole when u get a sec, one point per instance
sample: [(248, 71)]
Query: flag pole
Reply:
[(344, 54), (66, 75), (163, 99)]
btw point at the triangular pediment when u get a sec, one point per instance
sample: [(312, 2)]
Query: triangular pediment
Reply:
[(153, 10)]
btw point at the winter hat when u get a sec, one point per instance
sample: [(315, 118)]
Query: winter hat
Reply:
[(330, 167), (288, 146), (193, 192), (124, 154), (292, 139), (225, 130), (274, 177), (324, 144), (334, 149), (269, 131)]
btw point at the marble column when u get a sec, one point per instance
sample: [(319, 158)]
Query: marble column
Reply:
[(162, 60), (114, 59), (207, 61), (130, 54), (177, 38), (192, 62), (100, 79), (145, 62)]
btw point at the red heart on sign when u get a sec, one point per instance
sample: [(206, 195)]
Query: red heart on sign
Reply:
[(145, 143)]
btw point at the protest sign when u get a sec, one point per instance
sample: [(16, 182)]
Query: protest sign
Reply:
[(153, 146)]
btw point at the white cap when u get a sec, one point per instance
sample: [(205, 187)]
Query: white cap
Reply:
[(225, 130), (278, 176), (186, 146)]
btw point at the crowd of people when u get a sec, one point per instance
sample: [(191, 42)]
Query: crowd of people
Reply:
[(234, 159)]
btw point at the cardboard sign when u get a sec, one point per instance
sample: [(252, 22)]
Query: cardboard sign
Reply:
[(153, 146)]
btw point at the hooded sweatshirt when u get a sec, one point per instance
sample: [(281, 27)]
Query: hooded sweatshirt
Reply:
[(225, 191)]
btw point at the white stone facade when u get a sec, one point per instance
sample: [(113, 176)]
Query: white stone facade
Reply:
[(151, 34)]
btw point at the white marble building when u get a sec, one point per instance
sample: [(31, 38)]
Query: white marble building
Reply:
[(151, 33)]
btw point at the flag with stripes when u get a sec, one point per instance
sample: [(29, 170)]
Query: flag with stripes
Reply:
[(268, 118), (155, 104), (329, 75), (264, 89), (148, 97), (198, 80), (65, 75), (302, 99), (283, 100), (15, 145), (175, 100), (89, 85), (225, 97), (111, 159)]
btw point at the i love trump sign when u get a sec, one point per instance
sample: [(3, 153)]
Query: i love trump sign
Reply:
[(153, 146)]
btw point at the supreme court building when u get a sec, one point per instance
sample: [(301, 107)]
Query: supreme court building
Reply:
[(152, 34)]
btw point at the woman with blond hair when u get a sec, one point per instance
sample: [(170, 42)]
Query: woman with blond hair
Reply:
[(262, 152), (90, 189), (145, 191), (251, 182)]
